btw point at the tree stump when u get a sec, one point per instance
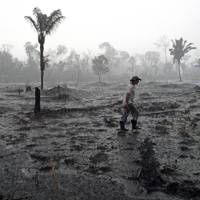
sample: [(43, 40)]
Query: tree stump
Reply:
[(37, 100), (19, 91)]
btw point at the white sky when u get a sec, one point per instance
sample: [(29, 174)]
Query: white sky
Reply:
[(131, 25)]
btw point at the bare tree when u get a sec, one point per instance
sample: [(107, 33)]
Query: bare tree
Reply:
[(32, 54), (6, 47), (163, 43), (132, 62), (74, 62), (152, 59), (110, 53), (99, 66), (197, 63)]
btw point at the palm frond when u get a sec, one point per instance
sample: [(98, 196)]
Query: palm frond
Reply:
[(173, 43), (181, 41), (177, 42), (189, 45), (51, 26), (186, 50), (32, 22), (55, 14), (184, 43), (171, 51), (53, 20)]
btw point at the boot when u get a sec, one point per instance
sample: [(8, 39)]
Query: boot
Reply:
[(134, 124), (122, 126)]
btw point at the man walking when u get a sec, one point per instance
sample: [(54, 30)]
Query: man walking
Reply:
[(128, 105)]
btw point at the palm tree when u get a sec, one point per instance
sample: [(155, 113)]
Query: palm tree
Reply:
[(178, 51), (44, 25)]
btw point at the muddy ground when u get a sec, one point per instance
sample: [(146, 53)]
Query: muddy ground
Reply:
[(72, 150)]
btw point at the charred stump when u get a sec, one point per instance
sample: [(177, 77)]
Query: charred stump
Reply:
[(37, 100), (19, 91)]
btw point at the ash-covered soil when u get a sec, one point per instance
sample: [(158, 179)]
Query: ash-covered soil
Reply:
[(72, 150)]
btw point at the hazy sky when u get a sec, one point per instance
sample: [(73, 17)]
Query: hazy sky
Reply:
[(131, 25)]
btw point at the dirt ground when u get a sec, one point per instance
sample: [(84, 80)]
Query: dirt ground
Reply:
[(72, 150)]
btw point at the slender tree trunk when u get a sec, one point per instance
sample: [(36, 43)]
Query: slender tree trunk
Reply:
[(78, 77), (42, 63), (165, 55), (179, 71), (42, 79), (37, 100), (99, 78)]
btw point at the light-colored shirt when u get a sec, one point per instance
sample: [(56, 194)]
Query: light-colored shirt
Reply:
[(131, 93)]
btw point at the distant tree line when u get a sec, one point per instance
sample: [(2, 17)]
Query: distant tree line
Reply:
[(108, 64), (63, 65)]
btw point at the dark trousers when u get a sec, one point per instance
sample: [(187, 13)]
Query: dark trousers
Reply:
[(127, 110)]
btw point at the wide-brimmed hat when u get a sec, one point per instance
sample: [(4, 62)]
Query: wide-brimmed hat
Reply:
[(135, 78)]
